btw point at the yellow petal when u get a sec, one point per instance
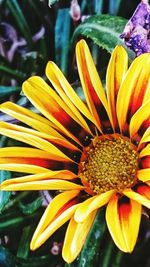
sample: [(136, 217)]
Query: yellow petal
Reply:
[(43, 126), (116, 70), (145, 151), (138, 118), (51, 211), (63, 175), (144, 175), (57, 223), (26, 168), (91, 204), (49, 103), (133, 88), (28, 136), (67, 93), (24, 152), (113, 223), (90, 81), (130, 217), (42, 185), (29, 117), (75, 237), (137, 197)]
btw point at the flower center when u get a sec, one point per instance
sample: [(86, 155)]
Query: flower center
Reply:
[(109, 162)]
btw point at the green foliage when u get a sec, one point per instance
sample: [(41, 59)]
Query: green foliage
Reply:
[(62, 38), (90, 253), (31, 207), (4, 196), (8, 90), (24, 244), (20, 19), (114, 6), (104, 30), (98, 250)]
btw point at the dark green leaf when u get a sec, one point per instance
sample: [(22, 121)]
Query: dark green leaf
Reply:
[(98, 5), (114, 6), (4, 195), (20, 19), (117, 259), (14, 219), (62, 40), (15, 200), (111, 255), (106, 259), (46, 260), (13, 73), (8, 90), (31, 207), (3, 141), (90, 252), (104, 30), (24, 244)]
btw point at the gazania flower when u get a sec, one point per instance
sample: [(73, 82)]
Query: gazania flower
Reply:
[(96, 153)]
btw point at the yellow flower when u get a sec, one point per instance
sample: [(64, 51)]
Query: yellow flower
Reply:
[(96, 153)]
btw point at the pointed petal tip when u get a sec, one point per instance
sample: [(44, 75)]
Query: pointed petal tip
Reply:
[(119, 49), (67, 259), (81, 44), (48, 65), (78, 219), (28, 81), (33, 246)]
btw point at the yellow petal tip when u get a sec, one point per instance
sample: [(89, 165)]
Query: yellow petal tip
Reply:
[(33, 246)]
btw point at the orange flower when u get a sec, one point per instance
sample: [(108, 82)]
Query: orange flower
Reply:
[(97, 153)]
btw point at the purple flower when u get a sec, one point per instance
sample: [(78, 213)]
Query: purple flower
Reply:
[(136, 33)]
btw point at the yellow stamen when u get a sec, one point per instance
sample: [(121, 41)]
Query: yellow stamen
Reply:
[(110, 162)]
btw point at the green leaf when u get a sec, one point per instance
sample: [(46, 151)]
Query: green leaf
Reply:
[(13, 73), (90, 252), (62, 38), (106, 258), (98, 6), (31, 207), (20, 19), (4, 195), (114, 6), (118, 259), (104, 30), (40, 261), (8, 90), (15, 219), (3, 140), (111, 255), (24, 244), (6, 258)]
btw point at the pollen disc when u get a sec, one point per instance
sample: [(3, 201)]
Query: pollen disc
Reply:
[(110, 162)]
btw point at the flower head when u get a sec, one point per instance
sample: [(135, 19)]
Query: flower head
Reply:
[(97, 153)]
